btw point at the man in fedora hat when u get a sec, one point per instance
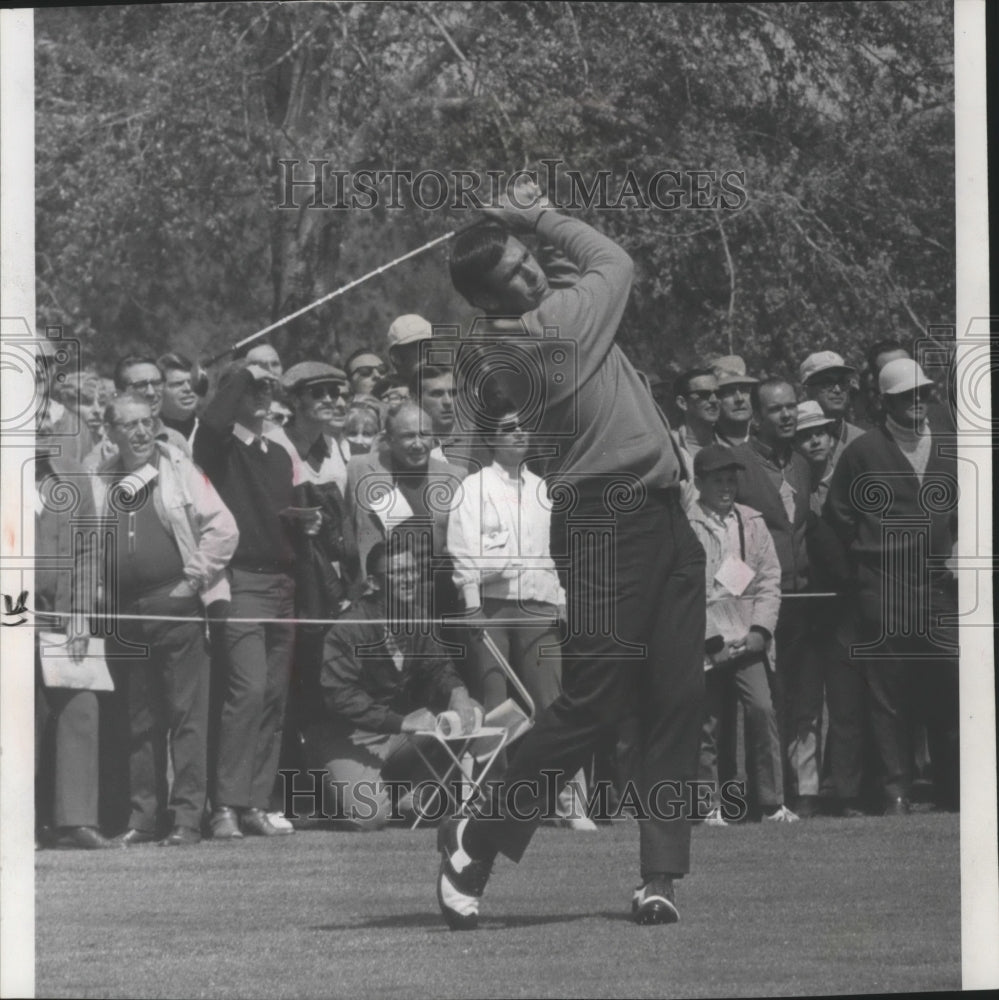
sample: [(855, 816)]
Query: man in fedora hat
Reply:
[(734, 388), (829, 381)]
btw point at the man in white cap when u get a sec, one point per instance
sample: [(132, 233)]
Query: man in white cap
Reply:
[(828, 380), (734, 389), (405, 335), (893, 504)]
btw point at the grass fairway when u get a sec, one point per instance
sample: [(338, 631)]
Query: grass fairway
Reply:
[(824, 906)]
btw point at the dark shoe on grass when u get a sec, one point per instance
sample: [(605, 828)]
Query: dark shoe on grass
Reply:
[(255, 823), (133, 837), (83, 838), (655, 903), (461, 880), (181, 836), (225, 824)]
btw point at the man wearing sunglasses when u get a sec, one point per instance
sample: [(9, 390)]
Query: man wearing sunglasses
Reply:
[(893, 504), (364, 369), (829, 381)]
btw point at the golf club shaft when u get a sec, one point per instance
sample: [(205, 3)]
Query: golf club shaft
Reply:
[(339, 291)]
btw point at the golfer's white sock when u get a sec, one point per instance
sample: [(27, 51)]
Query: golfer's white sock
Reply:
[(460, 859)]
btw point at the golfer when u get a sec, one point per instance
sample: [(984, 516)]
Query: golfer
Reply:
[(612, 460)]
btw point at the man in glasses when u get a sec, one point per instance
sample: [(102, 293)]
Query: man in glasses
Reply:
[(391, 391), (696, 396), (173, 538), (899, 532), (254, 476), (313, 390), (828, 380), (141, 378), (364, 369)]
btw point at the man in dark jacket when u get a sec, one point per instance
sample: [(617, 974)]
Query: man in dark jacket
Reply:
[(380, 684), (776, 482), (892, 502)]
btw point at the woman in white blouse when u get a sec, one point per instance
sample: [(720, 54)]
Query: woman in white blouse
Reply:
[(498, 539)]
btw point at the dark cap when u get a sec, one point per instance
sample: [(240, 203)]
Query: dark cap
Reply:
[(715, 457)]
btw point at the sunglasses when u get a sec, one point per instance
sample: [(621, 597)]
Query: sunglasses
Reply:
[(703, 394), (149, 383), (325, 390), (366, 371)]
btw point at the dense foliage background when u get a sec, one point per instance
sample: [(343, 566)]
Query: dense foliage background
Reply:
[(159, 132)]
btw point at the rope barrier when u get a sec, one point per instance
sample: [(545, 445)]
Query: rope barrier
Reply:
[(444, 622)]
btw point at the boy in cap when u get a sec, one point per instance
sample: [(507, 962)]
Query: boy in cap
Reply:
[(742, 575)]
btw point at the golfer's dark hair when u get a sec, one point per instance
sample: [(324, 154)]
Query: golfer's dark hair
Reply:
[(241, 352), (681, 387), (882, 347), (174, 362), (767, 383), (129, 361), (473, 254)]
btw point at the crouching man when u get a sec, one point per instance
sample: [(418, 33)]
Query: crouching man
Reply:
[(380, 683)]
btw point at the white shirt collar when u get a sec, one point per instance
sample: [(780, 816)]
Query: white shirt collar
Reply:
[(247, 436)]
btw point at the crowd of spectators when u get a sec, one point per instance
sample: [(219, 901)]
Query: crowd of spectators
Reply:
[(259, 531)]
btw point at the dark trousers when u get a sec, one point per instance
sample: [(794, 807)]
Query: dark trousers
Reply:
[(635, 585), (798, 694), (913, 681), (167, 703), (256, 669), (66, 741)]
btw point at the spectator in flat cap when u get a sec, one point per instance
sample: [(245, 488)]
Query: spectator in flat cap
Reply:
[(405, 336), (742, 573), (829, 381), (313, 390), (893, 504), (735, 404)]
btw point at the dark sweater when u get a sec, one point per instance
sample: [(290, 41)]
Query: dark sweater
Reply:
[(758, 489), (255, 485), (362, 686)]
